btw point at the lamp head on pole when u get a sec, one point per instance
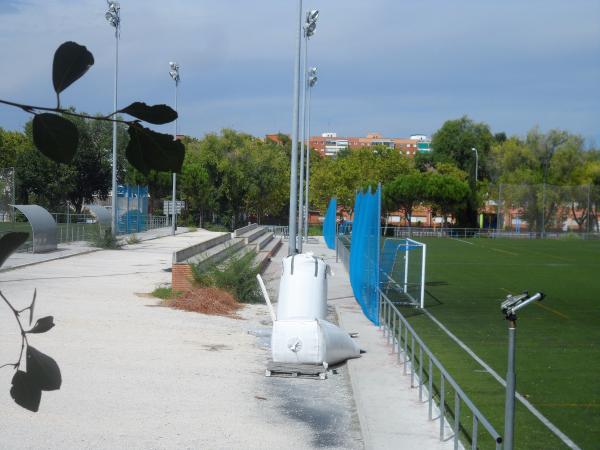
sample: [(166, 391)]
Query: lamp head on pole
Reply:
[(312, 80), (113, 15), (311, 22), (312, 15), (174, 72)]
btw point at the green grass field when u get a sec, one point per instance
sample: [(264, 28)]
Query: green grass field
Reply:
[(558, 340)]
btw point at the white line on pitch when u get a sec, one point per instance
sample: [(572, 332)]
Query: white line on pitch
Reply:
[(460, 240), (568, 442)]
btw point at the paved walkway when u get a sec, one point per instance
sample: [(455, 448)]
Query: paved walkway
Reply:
[(390, 413), (138, 376), (68, 249)]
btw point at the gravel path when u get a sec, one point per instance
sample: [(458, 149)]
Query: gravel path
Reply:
[(140, 376)]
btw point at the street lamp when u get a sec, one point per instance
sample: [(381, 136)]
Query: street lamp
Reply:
[(312, 80), (476, 162), (113, 16), (309, 30), (174, 72), (509, 308)]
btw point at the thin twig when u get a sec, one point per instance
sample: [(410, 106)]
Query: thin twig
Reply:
[(23, 334), (31, 109)]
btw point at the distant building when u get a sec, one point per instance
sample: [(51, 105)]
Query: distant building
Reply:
[(329, 144)]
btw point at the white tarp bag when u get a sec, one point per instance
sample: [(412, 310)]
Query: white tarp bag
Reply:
[(306, 341), (303, 288)]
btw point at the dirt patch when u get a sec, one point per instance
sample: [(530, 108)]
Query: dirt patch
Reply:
[(209, 300)]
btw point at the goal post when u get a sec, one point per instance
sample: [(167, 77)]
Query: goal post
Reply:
[(403, 269)]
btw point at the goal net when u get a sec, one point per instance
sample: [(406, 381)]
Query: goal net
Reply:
[(403, 263)]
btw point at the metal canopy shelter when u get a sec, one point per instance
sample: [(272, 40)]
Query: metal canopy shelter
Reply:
[(43, 227), (103, 215)]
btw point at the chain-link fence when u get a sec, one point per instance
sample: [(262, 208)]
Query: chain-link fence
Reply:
[(543, 208)]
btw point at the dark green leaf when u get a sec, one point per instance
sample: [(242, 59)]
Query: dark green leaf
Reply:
[(43, 370), (55, 136), (42, 325), (71, 61), (25, 391), (148, 150), (156, 114), (9, 243)]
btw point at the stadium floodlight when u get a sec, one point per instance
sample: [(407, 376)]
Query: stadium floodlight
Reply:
[(113, 16), (509, 307), (312, 15)]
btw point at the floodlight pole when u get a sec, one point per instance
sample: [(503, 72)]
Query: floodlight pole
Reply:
[(307, 159), (302, 137), (174, 72), (292, 240), (113, 15)]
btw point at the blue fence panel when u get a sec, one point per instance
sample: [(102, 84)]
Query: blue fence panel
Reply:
[(132, 208), (329, 224), (365, 252)]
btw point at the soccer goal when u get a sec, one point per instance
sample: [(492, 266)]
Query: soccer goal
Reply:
[(403, 264)]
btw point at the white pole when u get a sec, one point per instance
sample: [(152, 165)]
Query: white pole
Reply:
[(294, 153), (307, 164), (114, 142), (266, 296), (174, 210), (406, 250), (302, 137), (424, 258)]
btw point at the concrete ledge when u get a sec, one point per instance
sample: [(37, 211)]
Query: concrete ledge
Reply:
[(244, 230), (187, 253)]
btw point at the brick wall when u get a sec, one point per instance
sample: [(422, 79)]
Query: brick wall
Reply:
[(181, 278)]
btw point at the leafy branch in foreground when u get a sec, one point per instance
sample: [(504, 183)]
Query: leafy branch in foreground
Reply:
[(57, 138), (42, 372)]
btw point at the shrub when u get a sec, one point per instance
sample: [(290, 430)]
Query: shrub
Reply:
[(105, 240), (133, 239), (237, 275)]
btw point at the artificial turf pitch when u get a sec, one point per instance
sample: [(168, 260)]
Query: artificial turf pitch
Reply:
[(558, 340)]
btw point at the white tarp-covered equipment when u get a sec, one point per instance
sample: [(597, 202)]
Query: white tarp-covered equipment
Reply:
[(311, 341), (303, 288)]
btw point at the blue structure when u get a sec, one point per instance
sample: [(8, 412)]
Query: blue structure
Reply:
[(132, 208), (329, 224), (365, 252)]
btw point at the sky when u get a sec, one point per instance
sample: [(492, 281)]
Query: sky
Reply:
[(396, 67)]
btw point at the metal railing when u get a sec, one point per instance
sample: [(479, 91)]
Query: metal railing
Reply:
[(412, 351), (278, 230), (461, 233)]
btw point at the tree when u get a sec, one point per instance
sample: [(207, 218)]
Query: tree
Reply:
[(360, 168), (454, 143), (446, 193), (404, 192), (88, 175)]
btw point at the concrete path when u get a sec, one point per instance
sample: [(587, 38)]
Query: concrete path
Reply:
[(138, 376), (68, 249), (390, 413)]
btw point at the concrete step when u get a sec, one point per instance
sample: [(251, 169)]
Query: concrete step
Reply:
[(218, 253), (263, 241), (240, 231), (253, 234), (272, 247)]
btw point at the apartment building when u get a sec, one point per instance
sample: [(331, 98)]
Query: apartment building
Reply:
[(330, 144)]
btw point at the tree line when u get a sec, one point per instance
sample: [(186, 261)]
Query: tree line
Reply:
[(232, 177)]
